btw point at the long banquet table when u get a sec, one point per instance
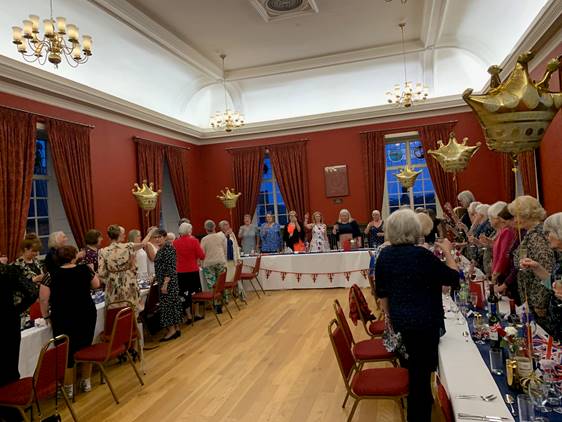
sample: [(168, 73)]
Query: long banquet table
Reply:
[(312, 270)]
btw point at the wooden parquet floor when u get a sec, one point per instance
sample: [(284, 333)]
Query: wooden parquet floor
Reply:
[(272, 362)]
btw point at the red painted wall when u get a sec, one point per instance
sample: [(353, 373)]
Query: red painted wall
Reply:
[(113, 158), (343, 146), (550, 152)]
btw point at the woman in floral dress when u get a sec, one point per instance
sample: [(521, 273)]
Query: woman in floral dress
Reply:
[(171, 310), (319, 241), (117, 267)]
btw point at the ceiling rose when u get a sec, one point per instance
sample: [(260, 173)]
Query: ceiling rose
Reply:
[(284, 5)]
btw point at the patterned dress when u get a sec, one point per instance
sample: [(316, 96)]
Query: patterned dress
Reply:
[(536, 247), (170, 303), (117, 271), (319, 241)]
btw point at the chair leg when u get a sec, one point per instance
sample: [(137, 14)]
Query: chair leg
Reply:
[(24, 416), (254, 287), (353, 409), (216, 315), (401, 406), (345, 400), (228, 310), (259, 284), (235, 302), (130, 360), (102, 370), (74, 383), (69, 404)]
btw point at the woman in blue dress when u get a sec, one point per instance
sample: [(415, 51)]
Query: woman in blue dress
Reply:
[(270, 235)]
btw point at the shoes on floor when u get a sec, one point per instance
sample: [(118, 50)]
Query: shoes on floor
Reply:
[(172, 337), (218, 309), (69, 390), (86, 385)]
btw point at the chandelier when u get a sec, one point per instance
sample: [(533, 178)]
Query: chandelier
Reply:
[(406, 94), (228, 119), (59, 40)]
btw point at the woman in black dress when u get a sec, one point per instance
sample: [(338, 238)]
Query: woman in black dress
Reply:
[(171, 315), (409, 284), (73, 311), (346, 228)]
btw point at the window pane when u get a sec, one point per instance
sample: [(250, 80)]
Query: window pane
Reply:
[(44, 244), (281, 209), (41, 188), (30, 227), (43, 226), (418, 200), (396, 154), (40, 167), (417, 153), (283, 220), (270, 209), (279, 198), (42, 208), (31, 212), (266, 187)]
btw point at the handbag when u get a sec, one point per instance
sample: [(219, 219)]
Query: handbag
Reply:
[(392, 340)]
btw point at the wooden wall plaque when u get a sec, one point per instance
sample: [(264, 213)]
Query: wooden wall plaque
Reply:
[(335, 178)]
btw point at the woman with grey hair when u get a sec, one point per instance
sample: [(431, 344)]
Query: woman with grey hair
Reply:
[(552, 280), (409, 282), (215, 257), (465, 198), (141, 258)]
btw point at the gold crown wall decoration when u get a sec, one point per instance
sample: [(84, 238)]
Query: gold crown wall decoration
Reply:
[(228, 197), (407, 176), (146, 196), (454, 156), (516, 113)]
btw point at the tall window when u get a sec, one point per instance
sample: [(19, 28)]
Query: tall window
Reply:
[(270, 199), (38, 216), (400, 153)]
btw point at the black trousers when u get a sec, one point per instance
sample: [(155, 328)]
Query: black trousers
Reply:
[(422, 349), (188, 283)]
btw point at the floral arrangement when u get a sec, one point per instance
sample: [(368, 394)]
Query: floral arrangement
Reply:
[(510, 339)]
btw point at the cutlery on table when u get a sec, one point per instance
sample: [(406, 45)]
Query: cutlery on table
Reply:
[(510, 400), (488, 397), (482, 417)]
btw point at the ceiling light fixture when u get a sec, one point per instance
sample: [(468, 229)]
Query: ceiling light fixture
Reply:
[(53, 45), (407, 94), (228, 119)]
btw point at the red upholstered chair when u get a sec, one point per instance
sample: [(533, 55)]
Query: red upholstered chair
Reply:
[(253, 275), (47, 379), (35, 311), (232, 286), (119, 344), (372, 328), (441, 397), (372, 383), (215, 297)]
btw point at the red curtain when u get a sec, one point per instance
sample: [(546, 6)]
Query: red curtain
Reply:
[(70, 149), (527, 167), (247, 167), (289, 163), (17, 157), (508, 177), (150, 167), (177, 165), (374, 168), (442, 182)]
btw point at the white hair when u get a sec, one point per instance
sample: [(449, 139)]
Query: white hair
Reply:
[(209, 226), (553, 224), (472, 207), (482, 209), (185, 229), (465, 198), (402, 227), (170, 237), (496, 208), (54, 239), (345, 211), (426, 223), (222, 223)]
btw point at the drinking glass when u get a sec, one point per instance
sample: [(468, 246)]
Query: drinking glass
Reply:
[(538, 392), (474, 299), (496, 361), (526, 408)]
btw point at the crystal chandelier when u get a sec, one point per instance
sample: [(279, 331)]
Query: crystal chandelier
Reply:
[(59, 40), (407, 94), (228, 119)]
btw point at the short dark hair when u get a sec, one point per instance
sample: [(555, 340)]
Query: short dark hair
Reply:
[(114, 231), (30, 241), (92, 236), (504, 214), (66, 254), (161, 232)]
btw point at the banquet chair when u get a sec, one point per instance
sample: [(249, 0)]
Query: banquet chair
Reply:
[(47, 380), (119, 344), (372, 328), (441, 398), (232, 286), (371, 383), (150, 315), (215, 297), (35, 311), (253, 275)]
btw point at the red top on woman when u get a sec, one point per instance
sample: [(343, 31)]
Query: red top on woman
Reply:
[(502, 246), (188, 251)]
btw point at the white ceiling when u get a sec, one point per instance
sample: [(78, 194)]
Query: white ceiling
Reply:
[(164, 55)]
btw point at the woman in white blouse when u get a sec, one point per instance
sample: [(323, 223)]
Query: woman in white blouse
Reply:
[(141, 258)]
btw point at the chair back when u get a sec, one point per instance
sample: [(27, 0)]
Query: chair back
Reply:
[(111, 311), (122, 332), (218, 288), (340, 316), (257, 266), (153, 299), (440, 395), (35, 311), (237, 273), (51, 367), (359, 301), (345, 358)]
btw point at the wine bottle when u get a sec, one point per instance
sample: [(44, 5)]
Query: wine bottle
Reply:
[(493, 318)]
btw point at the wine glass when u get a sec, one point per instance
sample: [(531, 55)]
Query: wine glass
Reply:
[(538, 391)]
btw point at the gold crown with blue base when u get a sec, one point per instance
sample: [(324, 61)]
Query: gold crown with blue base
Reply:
[(516, 113)]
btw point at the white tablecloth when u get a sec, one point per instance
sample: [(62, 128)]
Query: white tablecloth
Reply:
[(463, 371), (342, 265), (33, 340)]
